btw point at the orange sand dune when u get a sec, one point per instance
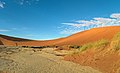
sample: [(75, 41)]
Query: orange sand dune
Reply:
[(13, 38), (80, 38), (39, 43), (7, 42), (90, 36), (75, 39)]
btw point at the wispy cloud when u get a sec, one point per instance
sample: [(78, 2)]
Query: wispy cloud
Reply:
[(20, 2), (115, 15), (80, 25), (2, 4), (72, 24), (29, 2), (4, 30), (21, 28)]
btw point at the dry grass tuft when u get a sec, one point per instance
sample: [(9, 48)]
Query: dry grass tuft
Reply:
[(115, 44), (96, 45)]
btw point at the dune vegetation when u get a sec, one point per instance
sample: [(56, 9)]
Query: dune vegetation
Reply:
[(102, 55), (100, 44), (115, 44), (95, 45)]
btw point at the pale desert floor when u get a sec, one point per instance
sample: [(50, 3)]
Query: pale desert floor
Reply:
[(26, 60)]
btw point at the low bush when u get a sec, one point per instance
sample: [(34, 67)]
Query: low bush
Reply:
[(74, 46)]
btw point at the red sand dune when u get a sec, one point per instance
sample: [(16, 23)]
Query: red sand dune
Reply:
[(75, 39), (90, 35), (7, 42)]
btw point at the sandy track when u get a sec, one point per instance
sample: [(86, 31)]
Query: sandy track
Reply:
[(40, 62)]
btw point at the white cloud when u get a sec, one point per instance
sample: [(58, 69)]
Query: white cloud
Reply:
[(101, 22), (29, 2), (72, 24), (70, 31), (115, 15), (20, 2), (2, 4), (4, 30), (86, 23), (80, 25), (68, 23)]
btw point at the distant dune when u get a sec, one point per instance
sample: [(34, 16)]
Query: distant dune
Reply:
[(75, 39)]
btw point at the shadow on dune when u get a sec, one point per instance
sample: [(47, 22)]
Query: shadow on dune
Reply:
[(14, 38)]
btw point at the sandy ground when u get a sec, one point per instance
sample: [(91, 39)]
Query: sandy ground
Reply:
[(45, 61)]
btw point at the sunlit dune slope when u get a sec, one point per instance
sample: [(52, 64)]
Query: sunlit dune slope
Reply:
[(90, 36), (75, 39)]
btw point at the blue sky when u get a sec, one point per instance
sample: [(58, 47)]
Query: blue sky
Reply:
[(49, 19)]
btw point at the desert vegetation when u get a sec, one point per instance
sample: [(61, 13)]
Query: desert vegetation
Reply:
[(100, 44), (96, 54), (115, 44), (95, 45), (74, 46)]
